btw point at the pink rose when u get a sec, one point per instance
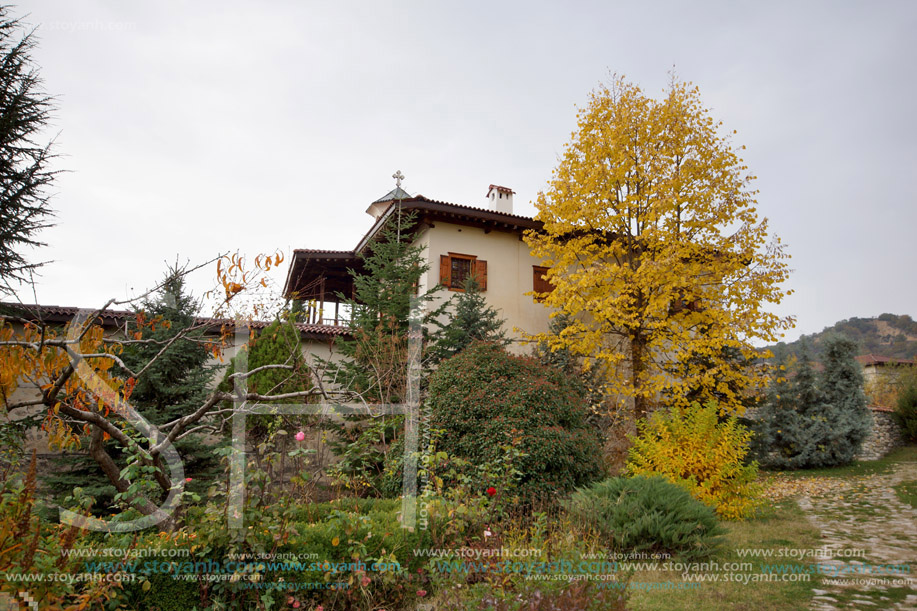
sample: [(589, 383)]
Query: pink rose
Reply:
[(300, 436)]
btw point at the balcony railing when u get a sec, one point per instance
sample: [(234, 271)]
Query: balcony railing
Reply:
[(329, 313)]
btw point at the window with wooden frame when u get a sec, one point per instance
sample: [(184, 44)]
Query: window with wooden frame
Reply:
[(540, 284), (681, 304), (455, 268)]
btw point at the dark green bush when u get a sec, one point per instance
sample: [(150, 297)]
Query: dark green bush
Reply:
[(646, 514), (484, 396), (906, 412)]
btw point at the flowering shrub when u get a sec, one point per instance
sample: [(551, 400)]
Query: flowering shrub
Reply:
[(692, 448)]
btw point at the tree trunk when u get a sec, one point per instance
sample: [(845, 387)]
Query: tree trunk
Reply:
[(638, 366), (111, 471)]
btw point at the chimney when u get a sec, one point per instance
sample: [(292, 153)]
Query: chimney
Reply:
[(500, 199)]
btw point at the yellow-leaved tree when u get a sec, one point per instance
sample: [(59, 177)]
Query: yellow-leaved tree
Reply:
[(656, 253)]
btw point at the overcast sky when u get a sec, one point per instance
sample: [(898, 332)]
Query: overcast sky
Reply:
[(192, 128)]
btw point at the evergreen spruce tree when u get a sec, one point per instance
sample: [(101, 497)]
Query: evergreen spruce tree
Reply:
[(471, 319), (848, 416), (785, 429), (375, 355), (770, 445), (375, 363), (175, 384), (811, 428), (815, 421)]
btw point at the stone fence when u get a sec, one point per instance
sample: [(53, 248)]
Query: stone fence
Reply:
[(884, 437)]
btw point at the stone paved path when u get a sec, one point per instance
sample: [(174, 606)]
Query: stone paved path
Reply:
[(866, 515)]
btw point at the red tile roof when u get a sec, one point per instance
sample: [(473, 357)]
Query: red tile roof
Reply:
[(313, 251), (55, 313), (488, 211), (877, 359), (445, 210)]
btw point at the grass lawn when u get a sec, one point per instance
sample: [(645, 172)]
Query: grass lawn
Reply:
[(781, 526)]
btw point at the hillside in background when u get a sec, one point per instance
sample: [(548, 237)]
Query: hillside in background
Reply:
[(888, 335)]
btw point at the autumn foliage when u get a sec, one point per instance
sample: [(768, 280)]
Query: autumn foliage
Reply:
[(693, 449), (656, 251), (36, 356), (85, 383)]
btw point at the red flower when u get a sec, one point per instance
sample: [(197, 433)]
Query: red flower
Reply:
[(491, 491), (187, 479)]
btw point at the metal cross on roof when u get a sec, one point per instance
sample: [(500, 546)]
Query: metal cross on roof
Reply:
[(398, 176)]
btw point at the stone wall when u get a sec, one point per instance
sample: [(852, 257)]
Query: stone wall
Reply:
[(885, 435)]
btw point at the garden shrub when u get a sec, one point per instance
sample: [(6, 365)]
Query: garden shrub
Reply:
[(646, 514), (906, 410), (32, 546), (276, 344), (159, 592), (343, 532), (694, 449), (484, 398), (360, 444)]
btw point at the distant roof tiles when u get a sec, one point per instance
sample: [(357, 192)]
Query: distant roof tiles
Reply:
[(60, 314), (878, 359)]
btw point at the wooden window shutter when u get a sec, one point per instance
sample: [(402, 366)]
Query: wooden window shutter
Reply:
[(480, 272), (445, 267), (539, 283)]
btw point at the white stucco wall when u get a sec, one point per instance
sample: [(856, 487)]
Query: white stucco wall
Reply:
[(509, 274)]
